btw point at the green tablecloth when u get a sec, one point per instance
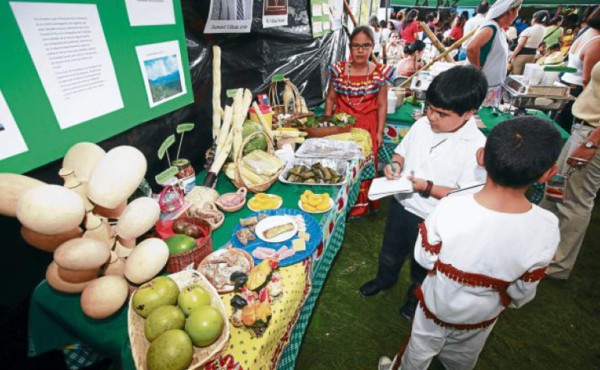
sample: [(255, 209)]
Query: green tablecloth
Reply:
[(56, 319)]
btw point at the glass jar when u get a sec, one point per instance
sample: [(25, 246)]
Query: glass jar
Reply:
[(185, 174)]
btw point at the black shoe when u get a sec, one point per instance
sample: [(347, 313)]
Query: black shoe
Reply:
[(370, 288), (408, 310)]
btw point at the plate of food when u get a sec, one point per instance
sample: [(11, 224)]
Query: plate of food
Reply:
[(218, 266), (263, 202), (315, 203), (276, 229), (301, 245)]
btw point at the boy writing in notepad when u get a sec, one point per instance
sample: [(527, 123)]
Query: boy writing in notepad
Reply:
[(485, 251), (439, 153)]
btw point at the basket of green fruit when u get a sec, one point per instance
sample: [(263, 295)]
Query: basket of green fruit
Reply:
[(325, 125)]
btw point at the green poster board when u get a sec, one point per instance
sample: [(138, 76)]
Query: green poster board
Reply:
[(29, 103)]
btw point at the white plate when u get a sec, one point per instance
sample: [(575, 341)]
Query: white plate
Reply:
[(316, 212), (258, 210), (273, 221)]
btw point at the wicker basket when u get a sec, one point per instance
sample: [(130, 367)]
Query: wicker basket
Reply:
[(238, 181), (210, 214), (279, 106), (204, 245), (140, 345)]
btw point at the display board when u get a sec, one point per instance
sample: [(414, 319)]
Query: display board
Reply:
[(75, 71)]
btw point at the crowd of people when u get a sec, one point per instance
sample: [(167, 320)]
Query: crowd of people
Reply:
[(476, 253)]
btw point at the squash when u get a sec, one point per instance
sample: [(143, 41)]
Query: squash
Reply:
[(12, 186), (82, 254), (104, 296), (146, 260), (139, 217), (117, 176), (83, 159), (50, 209)]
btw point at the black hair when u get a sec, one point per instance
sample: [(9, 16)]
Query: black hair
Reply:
[(465, 15), (410, 49), (555, 46), (459, 89), (518, 151), (556, 20), (483, 7), (374, 22), (593, 20), (410, 16), (541, 17), (362, 29), (431, 16), (390, 23)]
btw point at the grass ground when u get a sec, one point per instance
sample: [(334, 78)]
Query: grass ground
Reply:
[(560, 329)]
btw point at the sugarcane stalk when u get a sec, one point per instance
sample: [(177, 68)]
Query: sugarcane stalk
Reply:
[(216, 98), (442, 55), (261, 119), (434, 40), (225, 128)]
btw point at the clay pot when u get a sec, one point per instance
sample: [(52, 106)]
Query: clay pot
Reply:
[(59, 284), (123, 250), (50, 209), (116, 266), (77, 276), (48, 243), (117, 176), (12, 186), (101, 230), (83, 159), (112, 213)]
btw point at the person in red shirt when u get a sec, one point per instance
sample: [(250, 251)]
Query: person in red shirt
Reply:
[(410, 27), (359, 87), (456, 32)]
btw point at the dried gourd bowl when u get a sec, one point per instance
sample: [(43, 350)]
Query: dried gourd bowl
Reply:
[(223, 201)]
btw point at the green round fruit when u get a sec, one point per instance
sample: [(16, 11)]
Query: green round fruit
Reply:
[(160, 291), (172, 350), (204, 325), (180, 243), (191, 297), (162, 319)]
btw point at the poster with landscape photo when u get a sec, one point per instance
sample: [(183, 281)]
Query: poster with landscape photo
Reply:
[(162, 71)]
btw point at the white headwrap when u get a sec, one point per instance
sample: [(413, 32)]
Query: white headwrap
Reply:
[(502, 6)]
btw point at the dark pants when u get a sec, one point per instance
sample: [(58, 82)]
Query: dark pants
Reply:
[(399, 237)]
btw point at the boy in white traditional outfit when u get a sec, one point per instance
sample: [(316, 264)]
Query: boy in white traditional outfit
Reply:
[(438, 154), (485, 251)]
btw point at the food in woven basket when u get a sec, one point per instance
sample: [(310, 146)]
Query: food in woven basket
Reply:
[(171, 350), (204, 325), (315, 202), (339, 119), (232, 202), (315, 174), (220, 265), (185, 227), (191, 297), (180, 243), (160, 291), (162, 319), (263, 202), (257, 168)]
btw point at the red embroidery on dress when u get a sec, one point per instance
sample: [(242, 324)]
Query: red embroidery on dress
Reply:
[(430, 315), (433, 249), (475, 280), (534, 275)]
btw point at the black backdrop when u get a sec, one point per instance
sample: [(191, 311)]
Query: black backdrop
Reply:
[(248, 60)]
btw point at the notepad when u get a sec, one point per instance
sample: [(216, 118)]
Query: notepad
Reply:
[(382, 187)]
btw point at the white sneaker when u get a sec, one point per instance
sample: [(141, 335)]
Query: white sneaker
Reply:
[(384, 363)]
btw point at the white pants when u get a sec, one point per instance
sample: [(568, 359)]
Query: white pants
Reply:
[(456, 349)]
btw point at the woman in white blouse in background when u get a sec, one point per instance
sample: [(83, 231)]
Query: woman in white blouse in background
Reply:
[(529, 40)]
